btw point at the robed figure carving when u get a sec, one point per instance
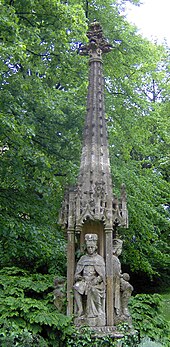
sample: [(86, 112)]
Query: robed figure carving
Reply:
[(89, 287), (122, 288)]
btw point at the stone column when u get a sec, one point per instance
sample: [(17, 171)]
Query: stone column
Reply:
[(70, 251), (70, 270), (109, 277)]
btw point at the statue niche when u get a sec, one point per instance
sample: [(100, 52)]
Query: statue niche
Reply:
[(121, 286), (89, 287)]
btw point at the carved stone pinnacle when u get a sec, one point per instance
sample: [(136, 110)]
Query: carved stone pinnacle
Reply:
[(97, 43)]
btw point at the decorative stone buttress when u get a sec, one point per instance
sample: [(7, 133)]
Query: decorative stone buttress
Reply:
[(91, 207)]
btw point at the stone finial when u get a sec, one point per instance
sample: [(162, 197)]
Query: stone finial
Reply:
[(97, 43)]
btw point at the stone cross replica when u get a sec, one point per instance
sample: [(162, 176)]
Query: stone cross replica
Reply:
[(90, 212)]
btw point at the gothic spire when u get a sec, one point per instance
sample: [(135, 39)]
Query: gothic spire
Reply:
[(93, 198)]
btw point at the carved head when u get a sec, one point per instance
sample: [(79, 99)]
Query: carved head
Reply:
[(117, 246), (91, 243), (126, 276)]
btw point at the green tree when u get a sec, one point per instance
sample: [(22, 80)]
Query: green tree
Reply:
[(139, 150), (43, 90), (41, 103)]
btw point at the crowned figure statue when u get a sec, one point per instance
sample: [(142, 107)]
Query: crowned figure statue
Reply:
[(89, 287)]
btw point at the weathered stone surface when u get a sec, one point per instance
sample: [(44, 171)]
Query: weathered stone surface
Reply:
[(92, 197), (89, 287), (122, 288), (91, 208), (59, 293)]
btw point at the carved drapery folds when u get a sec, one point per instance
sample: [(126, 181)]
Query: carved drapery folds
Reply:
[(89, 287), (122, 289)]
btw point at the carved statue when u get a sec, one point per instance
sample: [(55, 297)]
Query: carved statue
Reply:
[(89, 287), (59, 294), (122, 288)]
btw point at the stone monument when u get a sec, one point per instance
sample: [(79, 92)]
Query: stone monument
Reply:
[(91, 213)]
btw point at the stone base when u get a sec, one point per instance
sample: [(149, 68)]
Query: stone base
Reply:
[(111, 331), (106, 330), (90, 321), (123, 319)]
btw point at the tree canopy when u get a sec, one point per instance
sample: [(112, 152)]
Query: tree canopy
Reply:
[(43, 105), (40, 120)]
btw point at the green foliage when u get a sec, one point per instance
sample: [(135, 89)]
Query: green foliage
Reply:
[(24, 338), (139, 141), (27, 310), (148, 318), (41, 125), (166, 305), (28, 316), (43, 87), (148, 343), (85, 337)]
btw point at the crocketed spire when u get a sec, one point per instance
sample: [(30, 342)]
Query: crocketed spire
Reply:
[(93, 197)]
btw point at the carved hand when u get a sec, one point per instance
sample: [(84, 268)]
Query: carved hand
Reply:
[(97, 280)]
